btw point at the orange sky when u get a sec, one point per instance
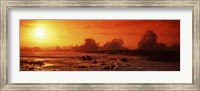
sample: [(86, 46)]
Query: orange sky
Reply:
[(50, 33)]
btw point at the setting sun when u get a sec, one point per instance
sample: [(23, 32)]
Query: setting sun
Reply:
[(39, 33)]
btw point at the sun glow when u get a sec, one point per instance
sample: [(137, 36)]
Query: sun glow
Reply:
[(39, 33)]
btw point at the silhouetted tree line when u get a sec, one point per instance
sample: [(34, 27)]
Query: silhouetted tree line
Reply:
[(90, 45), (147, 42)]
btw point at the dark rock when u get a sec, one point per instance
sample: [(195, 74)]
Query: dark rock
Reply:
[(89, 57), (92, 66), (95, 62), (103, 64), (31, 63), (86, 57), (113, 59), (31, 68), (107, 68), (38, 63), (24, 62), (113, 66), (124, 60), (82, 66)]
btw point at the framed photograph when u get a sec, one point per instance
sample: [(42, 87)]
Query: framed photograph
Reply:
[(99, 45)]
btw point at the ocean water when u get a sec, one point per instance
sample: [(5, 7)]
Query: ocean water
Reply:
[(75, 61)]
